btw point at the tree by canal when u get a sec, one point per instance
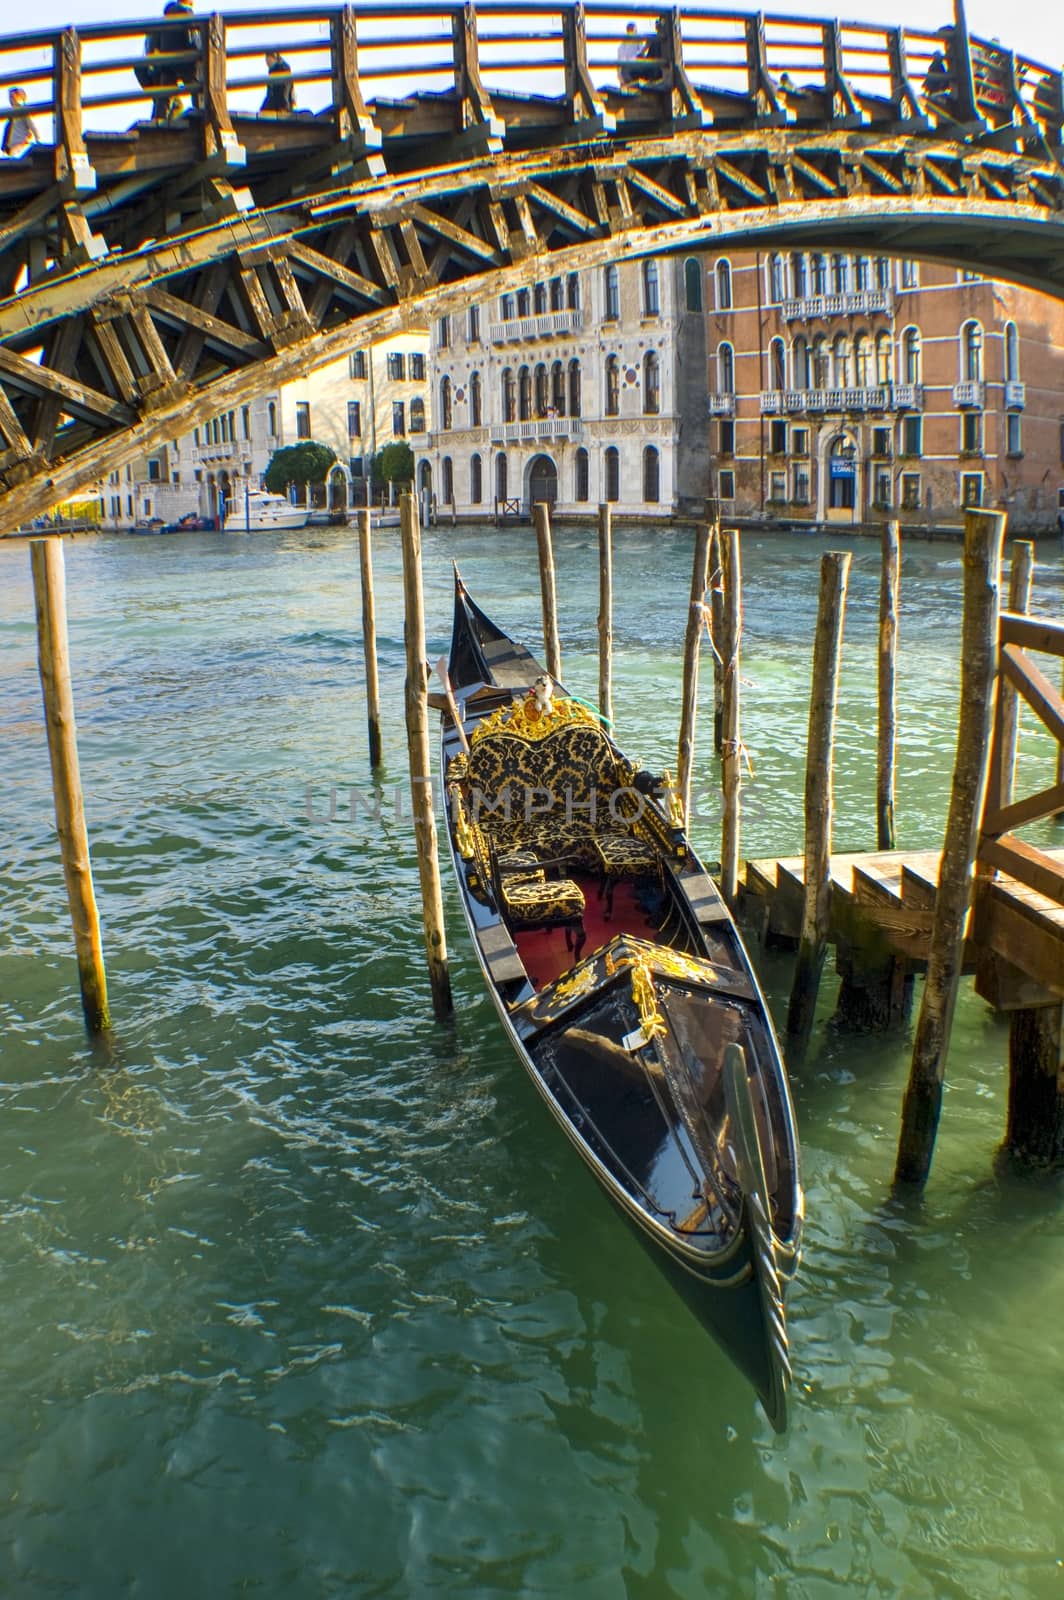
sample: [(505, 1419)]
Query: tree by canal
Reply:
[(394, 463), (306, 462)]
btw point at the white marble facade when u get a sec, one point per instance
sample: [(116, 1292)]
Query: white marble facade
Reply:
[(580, 388)]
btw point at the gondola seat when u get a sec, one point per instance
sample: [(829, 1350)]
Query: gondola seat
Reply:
[(620, 856), (552, 903)]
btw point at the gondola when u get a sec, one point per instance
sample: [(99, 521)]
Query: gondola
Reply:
[(622, 982)]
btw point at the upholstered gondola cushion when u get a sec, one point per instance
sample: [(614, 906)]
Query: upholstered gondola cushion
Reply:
[(623, 855), (520, 866), (560, 900)]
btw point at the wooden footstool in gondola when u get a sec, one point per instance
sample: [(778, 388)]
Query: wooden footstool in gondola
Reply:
[(547, 903), (619, 856)]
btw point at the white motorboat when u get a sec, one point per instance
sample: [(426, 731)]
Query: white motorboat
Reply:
[(260, 512)]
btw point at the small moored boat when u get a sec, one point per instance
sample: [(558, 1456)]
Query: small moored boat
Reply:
[(622, 981), (259, 511)]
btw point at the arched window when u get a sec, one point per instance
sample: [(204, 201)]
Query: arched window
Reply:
[(524, 395), (613, 386), (776, 278), (613, 474), (574, 388), (862, 361), (651, 384), (799, 276), (612, 287), (692, 284), (821, 362), (1012, 353), (801, 363), (557, 294), (475, 406), (777, 363), (651, 475), (271, 419), (862, 274), (884, 358), (820, 275), (651, 289), (842, 362), (725, 369), (539, 299), (840, 274), (500, 477), (557, 388), (572, 291), (910, 355), (524, 303), (582, 483), (417, 415), (722, 276), (445, 404), (476, 486), (542, 390), (509, 395), (882, 272), (972, 353), (447, 480), (506, 307)]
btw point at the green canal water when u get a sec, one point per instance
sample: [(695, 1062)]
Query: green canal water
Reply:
[(303, 1296)]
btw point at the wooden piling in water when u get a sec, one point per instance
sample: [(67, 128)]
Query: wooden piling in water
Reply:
[(417, 734), (1021, 573), (369, 637), (551, 643), (889, 582), (716, 630), (605, 615), (731, 739), (983, 535), (816, 911), (691, 645), (49, 592)]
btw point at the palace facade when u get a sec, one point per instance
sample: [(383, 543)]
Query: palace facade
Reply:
[(583, 387), (849, 389)]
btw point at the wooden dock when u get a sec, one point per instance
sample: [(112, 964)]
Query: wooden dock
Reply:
[(882, 909)]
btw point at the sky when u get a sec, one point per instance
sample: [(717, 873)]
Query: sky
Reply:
[(1032, 27)]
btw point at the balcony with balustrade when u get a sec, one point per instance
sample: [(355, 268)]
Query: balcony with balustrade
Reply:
[(1015, 395), (969, 395), (547, 325), (848, 303), (882, 397), (531, 429), (722, 405)]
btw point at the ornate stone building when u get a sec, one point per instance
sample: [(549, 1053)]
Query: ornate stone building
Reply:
[(581, 388), (847, 389)]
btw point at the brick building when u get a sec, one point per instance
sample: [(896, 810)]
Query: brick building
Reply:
[(846, 389)]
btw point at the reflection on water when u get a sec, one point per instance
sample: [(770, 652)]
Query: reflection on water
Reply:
[(304, 1296)]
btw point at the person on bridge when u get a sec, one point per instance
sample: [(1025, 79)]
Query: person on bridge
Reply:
[(168, 75), (280, 91), (628, 54), (20, 135)]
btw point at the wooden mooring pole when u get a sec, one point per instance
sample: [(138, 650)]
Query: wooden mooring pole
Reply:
[(984, 532), (731, 749), (417, 734), (49, 593), (889, 582), (552, 648), (605, 615), (1021, 573), (716, 632), (692, 642), (816, 912), (369, 637)]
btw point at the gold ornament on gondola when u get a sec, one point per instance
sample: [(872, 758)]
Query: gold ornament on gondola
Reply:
[(645, 996)]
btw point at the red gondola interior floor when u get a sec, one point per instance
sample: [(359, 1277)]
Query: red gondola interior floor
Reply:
[(543, 950)]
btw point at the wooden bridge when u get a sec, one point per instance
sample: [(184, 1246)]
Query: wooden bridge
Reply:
[(155, 272)]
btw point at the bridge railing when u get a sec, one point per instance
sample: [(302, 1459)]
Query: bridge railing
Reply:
[(716, 66)]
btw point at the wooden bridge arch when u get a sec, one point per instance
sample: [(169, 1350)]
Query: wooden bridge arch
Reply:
[(154, 274)]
